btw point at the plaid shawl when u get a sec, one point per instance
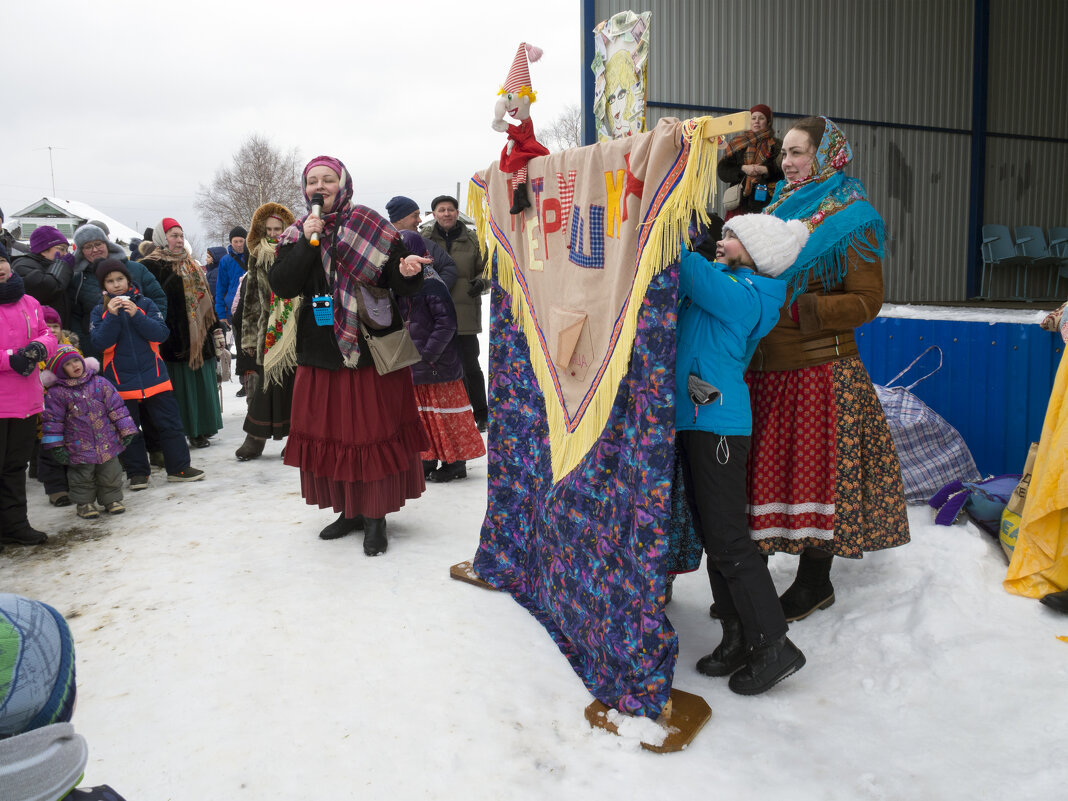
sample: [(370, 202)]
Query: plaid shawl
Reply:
[(355, 246), (757, 147)]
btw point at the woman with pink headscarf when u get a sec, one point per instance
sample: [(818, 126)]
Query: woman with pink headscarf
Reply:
[(355, 435)]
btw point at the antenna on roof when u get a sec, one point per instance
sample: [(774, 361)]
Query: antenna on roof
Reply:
[(51, 168)]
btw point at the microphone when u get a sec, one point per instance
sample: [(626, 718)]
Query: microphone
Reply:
[(317, 210)]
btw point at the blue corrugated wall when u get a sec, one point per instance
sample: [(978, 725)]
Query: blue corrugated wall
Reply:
[(993, 386)]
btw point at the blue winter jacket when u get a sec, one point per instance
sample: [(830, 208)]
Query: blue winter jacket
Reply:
[(130, 345), (212, 272), (85, 293), (231, 268), (723, 314)]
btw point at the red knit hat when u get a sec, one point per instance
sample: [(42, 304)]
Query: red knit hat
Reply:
[(167, 223), (763, 109)]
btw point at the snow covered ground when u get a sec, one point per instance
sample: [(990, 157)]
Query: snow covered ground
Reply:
[(225, 652)]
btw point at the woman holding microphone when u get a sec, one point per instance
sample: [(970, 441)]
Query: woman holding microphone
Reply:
[(355, 435)]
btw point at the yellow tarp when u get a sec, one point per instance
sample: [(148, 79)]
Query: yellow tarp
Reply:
[(1039, 563)]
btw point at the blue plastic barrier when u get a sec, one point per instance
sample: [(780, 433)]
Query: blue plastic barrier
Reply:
[(994, 384)]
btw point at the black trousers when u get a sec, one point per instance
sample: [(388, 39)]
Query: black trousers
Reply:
[(474, 379), (714, 473), (17, 436), (50, 472), (162, 410)]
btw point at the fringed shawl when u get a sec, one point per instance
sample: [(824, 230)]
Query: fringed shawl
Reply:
[(199, 311), (835, 209), (355, 246), (756, 147)]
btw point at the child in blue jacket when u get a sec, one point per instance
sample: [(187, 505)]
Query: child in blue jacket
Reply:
[(127, 328), (725, 308)]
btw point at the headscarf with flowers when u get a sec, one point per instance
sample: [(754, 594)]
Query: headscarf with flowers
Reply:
[(836, 211), (357, 242), (256, 302)]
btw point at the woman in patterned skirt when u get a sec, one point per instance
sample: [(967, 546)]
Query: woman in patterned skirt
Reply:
[(824, 478)]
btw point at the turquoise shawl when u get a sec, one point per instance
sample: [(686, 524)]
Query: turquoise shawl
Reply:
[(835, 209)]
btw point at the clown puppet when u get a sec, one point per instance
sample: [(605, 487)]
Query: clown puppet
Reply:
[(515, 97)]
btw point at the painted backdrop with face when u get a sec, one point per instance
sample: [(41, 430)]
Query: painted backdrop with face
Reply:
[(622, 50)]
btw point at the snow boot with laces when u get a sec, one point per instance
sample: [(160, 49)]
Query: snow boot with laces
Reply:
[(766, 666)]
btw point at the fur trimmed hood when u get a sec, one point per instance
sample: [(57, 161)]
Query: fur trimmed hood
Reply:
[(92, 367), (257, 231)]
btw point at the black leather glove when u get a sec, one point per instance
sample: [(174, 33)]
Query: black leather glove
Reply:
[(35, 351), (478, 286), (61, 271), (21, 364)]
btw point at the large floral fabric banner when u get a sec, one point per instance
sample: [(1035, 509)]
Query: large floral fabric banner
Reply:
[(582, 348)]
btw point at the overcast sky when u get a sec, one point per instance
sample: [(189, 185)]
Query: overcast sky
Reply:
[(143, 102)]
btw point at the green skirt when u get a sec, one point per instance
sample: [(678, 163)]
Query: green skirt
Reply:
[(197, 393)]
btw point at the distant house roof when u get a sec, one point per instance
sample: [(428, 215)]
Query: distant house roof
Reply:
[(75, 213)]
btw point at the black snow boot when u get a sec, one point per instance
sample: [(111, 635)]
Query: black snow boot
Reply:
[(342, 526), (429, 466), (1057, 601), (449, 471), (766, 666), (729, 655), (374, 536), (811, 589)]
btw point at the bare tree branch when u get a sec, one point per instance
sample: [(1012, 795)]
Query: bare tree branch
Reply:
[(259, 174), (565, 131)]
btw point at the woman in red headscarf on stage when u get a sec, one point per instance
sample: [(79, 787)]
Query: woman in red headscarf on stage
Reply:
[(752, 160)]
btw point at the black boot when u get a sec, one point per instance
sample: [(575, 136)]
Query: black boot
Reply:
[(374, 536), (767, 666), (729, 655), (342, 526), (449, 471), (811, 589), (520, 200), (429, 466), (1057, 601)]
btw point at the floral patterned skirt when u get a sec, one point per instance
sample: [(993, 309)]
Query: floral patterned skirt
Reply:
[(823, 471), (449, 422)]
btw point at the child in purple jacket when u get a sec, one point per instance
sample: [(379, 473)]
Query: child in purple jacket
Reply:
[(87, 426)]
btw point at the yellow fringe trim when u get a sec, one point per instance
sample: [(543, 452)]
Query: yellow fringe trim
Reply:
[(668, 230)]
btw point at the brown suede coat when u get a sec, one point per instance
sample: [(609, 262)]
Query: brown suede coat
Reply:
[(822, 316)]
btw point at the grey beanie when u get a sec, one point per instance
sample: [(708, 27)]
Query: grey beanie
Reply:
[(90, 233), (773, 243)]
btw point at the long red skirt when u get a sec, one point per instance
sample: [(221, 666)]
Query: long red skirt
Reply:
[(823, 471), (449, 422), (356, 437)]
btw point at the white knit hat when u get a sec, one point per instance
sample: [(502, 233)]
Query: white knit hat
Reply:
[(773, 243)]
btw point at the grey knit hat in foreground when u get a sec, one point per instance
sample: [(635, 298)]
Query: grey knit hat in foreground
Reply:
[(773, 243)]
